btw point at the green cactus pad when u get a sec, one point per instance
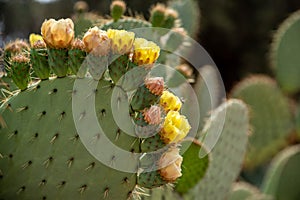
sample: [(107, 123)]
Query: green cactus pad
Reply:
[(6, 85), (20, 74), (143, 98), (76, 58), (193, 167), (39, 62), (150, 180), (231, 121), (189, 15), (271, 118), (245, 191), (118, 67), (57, 59), (298, 122), (126, 24), (161, 193), (284, 56), (283, 179), (42, 156), (152, 144), (209, 93)]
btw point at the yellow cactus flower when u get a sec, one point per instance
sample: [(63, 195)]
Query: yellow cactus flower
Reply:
[(169, 101), (145, 52), (97, 42), (175, 127), (170, 165), (33, 38), (121, 41), (58, 34)]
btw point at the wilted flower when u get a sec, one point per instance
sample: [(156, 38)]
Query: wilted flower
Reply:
[(170, 165), (97, 42), (155, 85), (58, 34), (121, 41), (152, 115), (169, 101), (145, 52), (175, 127)]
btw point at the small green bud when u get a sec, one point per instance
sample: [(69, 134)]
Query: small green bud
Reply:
[(117, 9)]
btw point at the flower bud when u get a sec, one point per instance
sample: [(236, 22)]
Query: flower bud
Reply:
[(152, 115), (58, 34), (97, 42), (121, 41), (175, 127), (117, 9), (155, 85), (170, 165), (33, 38), (145, 52), (170, 102)]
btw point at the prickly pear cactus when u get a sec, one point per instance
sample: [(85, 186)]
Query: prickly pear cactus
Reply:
[(284, 58), (245, 191), (282, 179), (42, 155), (225, 137), (82, 133), (271, 120)]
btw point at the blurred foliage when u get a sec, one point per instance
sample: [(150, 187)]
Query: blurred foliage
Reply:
[(237, 34)]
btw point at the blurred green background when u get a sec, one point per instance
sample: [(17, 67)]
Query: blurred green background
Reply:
[(237, 34)]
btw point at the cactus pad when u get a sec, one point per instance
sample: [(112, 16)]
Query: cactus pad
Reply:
[(126, 24), (231, 118), (42, 155), (282, 179), (271, 120), (284, 57)]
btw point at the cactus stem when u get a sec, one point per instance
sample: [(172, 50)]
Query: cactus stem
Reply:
[(126, 180), (48, 161), (91, 166), (70, 162), (82, 189), (54, 138), (33, 137), (8, 106), (27, 164)]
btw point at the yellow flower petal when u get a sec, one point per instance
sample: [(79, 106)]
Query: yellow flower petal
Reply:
[(145, 52), (170, 102), (170, 165), (175, 127), (97, 42), (58, 34), (33, 38), (121, 40)]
